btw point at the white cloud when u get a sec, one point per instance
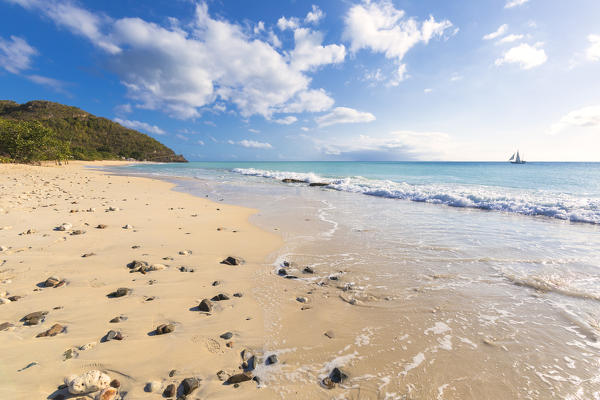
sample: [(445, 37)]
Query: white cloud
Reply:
[(52, 83), (525, 55), (314, 16), (284, 23), (381, 28), (251, 144), (593, 52), (514, 3), (290, 119), (456, 78), (253, 130), (586, 117), (344, 115), (305, 129), (140, 126), (182, 137), (123, 109), (497, 33), (510, 38), (181, 68), (396, 145), (15, 54), (309, 53), (428, 90), (200, 142), (314, 100)]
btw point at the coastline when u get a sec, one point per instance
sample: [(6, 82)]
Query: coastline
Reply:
[(163, 223)]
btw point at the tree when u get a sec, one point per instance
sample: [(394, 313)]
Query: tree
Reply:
[(30, 141)]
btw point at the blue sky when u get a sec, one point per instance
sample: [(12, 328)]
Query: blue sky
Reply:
[(335, 80)]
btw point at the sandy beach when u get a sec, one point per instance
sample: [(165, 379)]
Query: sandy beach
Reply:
[(81, 228)]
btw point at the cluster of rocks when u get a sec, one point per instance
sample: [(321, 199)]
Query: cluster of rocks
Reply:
[(144, 266), (53, 282), (94, 383)]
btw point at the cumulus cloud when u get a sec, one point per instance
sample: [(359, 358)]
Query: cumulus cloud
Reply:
[(284, 23), (497, 33), (314, 16), (586, 117), (344, 115), (140, 126), (16, 54), (200, 142), (290, 119), (380, 27), (593, 52), (253, 130), (251, 144), (514, 3), (183, 67), (525, 55), (397, 145), (52, 83), (123, 109)]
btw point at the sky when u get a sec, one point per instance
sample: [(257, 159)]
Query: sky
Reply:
[(372, 80)]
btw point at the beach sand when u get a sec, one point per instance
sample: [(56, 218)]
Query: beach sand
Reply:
[(145, 221)]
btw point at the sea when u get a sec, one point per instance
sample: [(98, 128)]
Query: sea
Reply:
[(460, 280)]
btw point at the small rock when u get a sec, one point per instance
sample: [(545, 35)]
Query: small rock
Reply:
[(164, 329), (65, 226), (101, 226), (216, 283), (113, 335), (205, 306), (185, 252), (69, 353), (170, 391), (329, 334), (87, 346), (220, 297), (77, 232), (308, 270), (120, 292), (226, 335), (272, 359), (5, 326), (172, 373), (115, 383), (229, 344), (109, 393), (88, 255), (34, 318), (328, 383), (189, 385), (301, 299), (318, 184), (337, 376), (53, 331), (15, 298), (232, 261), (3, 248), (90, 381), (238, 378), (282, 272), (127, 226), (153, 386), (52, 281), (238, 294), (222, 375)]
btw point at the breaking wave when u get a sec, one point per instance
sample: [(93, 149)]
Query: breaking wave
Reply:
[(527, 202)]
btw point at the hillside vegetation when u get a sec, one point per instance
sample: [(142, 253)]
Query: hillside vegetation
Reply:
[(43, 130)]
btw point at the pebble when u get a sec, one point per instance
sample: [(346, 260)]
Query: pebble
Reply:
[(226, 335), (65, 226), (238, 378), (301, 299), (127, 226), (88, 255), (109, 393), (220, 297), (153, 386), (238, 294), (113, 335), (15, 298), (172, 373), (53, 331), (216, 283), (308, 270), (101, 226), (189, 385), (282, 272), (272, 359), (222, 375), (170, 391), (53, 281), (120, 292), (329, 334), (232, 261), (185, 252), (164, 329), (34, 318), (115, 383), (118, 319), (77, 232), (205, 306), (90, 381)]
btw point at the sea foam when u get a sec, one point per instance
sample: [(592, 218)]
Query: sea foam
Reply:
[(527, 202)]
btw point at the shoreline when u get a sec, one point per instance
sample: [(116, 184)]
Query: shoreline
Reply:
[(150, 222)]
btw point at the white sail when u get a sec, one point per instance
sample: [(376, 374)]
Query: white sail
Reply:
[(512, 157), (518, 160)]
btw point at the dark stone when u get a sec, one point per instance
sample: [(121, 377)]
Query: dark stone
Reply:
[(138, 266), (183, 269), (5, 325), (34, 318), (164, 328), (328, 383), (220, 297), (113, 335), (205, 306), (291, 277), (337, 376), (226, 335), (170, 391), (77, 232), (172, 373), (120, 292), (15, 298), (51, 282), (232, 261), (238, 378), (88, 255), (189, 385), (282, 272), (308, 270), (101, 226), (287, 264), (272, 359), (216, 283), (115, 383), (53, 331), (238, 294), (329, 334), (290, 180), (318, 184), (333, 278)]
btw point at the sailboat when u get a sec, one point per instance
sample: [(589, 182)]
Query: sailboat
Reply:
[(516, 158)]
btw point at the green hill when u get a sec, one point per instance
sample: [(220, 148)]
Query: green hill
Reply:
[(88, 137)]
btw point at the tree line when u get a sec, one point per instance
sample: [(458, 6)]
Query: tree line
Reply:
[(30, 142)]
